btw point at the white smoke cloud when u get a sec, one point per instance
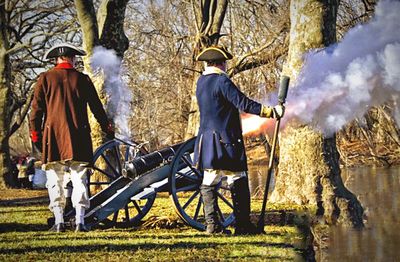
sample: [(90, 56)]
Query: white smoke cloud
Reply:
[(343, 81), (119, 95)]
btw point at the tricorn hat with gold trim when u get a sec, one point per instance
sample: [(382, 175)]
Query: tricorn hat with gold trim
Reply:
[(214, 53), (63, 50)]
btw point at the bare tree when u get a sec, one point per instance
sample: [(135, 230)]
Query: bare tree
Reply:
[(157, 71), (261, 43), (4, 98), (161, 69), (105, 28), (309, 172), (32, 29), (26, 28), (209, 16)]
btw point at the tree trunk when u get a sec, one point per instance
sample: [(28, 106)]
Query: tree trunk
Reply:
[(194, 113), (106, 31), (110, 18), (309, 172), (5, 98), (90, 34), (209, 18)]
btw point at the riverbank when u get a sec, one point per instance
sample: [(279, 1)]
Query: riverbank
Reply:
[(24, 237)]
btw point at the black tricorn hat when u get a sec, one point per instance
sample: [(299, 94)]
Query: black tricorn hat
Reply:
[(63, 50), (214, 53)]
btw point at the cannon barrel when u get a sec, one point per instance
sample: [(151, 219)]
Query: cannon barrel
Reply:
[(143, 164)]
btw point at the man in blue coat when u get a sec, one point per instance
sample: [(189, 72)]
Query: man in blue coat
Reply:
[(219, 148)]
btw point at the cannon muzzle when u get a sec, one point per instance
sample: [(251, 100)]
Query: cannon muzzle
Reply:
[(143, 164)]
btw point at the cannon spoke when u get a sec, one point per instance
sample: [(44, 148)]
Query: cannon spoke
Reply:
[(188, 162), (224, 187), (99, 183), (127, 217), (188, 176), (225, 200), (187, 206), (115, 217), (220, 214), (190, 199), (196, 213), (110, 165), (104, 173), (118, 158), (198, 174), (136, 205), (188, 159), (108, 162), (187, 188)]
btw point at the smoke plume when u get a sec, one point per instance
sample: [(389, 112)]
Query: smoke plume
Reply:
[(341, 82), (119, 96)]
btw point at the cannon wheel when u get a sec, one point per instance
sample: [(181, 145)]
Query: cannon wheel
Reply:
[(108, 161), (184, 181)]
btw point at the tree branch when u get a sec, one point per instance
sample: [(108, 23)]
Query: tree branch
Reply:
[(258, 61)]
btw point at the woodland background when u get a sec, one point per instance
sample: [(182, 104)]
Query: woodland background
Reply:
[(157, 42)]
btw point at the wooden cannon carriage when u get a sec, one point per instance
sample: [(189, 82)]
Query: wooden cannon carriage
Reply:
[(131, 178)]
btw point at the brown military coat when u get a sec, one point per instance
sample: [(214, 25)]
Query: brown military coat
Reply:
[(59, 114)]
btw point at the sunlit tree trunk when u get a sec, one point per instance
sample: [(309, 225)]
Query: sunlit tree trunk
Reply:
[(309, 172), (5, 75), (87, 19), (209, 17), (105, 30)]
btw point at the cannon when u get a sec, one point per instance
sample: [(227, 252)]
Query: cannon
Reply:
[(131, 178)]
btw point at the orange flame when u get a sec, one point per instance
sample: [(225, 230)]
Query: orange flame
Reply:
[(254, 125)]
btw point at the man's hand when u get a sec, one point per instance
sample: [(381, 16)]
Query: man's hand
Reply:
[(36, 138), (278, 111), (272, 112), (266, 111)]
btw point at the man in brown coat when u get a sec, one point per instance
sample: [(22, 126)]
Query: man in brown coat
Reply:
[(60, 130)]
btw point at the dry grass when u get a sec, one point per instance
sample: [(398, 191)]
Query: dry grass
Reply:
[(359, 153)]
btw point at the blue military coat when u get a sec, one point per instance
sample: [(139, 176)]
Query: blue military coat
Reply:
[(219, 143)]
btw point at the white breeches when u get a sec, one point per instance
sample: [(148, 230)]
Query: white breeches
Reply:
[(213, 177), (58, 175)]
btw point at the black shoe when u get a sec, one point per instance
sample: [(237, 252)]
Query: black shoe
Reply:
[(60, 227), (81, 228)]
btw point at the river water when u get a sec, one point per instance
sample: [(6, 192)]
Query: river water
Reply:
[(378, 190)]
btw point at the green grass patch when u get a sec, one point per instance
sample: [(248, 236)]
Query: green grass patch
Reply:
[(24, 237)]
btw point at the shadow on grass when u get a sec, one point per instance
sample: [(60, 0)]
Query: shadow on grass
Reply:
[(25, 201), (42, 233), (25, 210), (133, 247), (18, 227)]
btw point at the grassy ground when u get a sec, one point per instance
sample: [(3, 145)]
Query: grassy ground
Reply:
[(24, 237)]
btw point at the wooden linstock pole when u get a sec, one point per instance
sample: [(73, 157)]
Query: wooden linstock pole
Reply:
[(283, 89)]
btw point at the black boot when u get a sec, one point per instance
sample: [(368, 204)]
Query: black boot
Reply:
[(241, 203), (213, 224)]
